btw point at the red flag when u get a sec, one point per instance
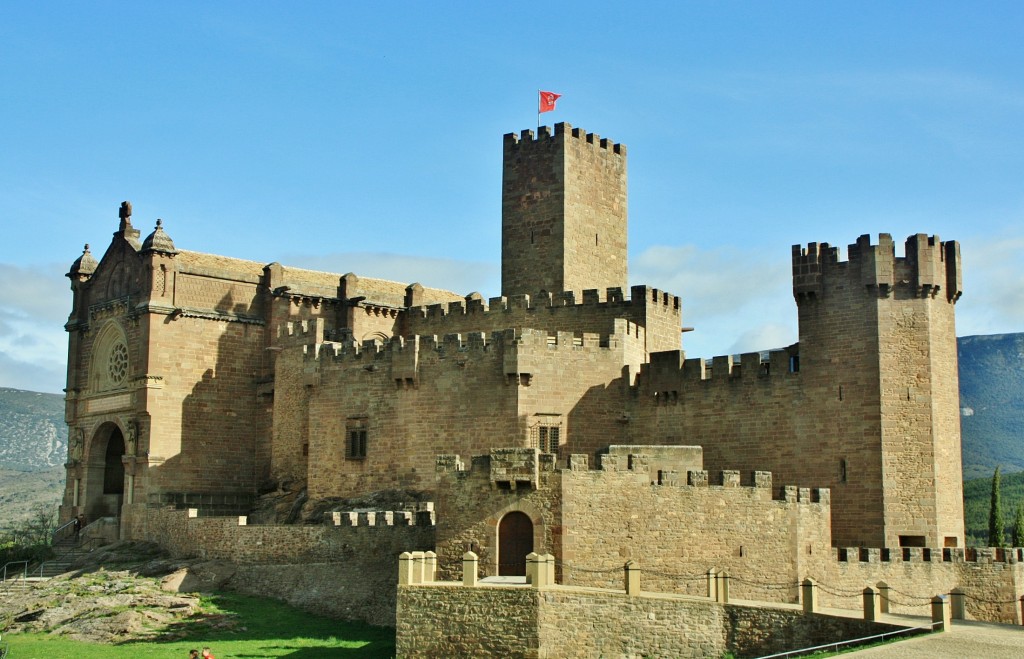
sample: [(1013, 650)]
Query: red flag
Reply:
[(547, 101)]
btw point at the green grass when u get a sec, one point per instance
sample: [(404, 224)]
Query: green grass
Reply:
[(233, 626)]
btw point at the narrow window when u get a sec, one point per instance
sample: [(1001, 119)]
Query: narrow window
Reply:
[(842, 471), (355, 441)]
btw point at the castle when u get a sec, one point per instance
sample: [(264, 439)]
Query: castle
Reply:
[(200, 381)]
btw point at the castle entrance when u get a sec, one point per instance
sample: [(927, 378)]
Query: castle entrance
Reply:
[(515, 541), (104, 479)]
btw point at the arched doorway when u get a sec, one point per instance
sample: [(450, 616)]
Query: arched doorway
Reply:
[(104, 479), (515, 541)]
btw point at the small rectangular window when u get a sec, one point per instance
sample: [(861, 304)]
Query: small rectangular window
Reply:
[(547, 434), (355, 440)]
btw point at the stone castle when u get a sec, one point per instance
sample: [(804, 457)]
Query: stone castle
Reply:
[(201, 381)]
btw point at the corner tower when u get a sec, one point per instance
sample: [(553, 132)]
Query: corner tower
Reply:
[(563, 212), (878, 354)]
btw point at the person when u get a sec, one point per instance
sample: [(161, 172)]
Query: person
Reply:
[(193, 654), (207, 654), (78, 526)]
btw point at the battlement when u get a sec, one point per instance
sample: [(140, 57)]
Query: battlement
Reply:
[(527, 138), (421, 515), (611, 297), (347, 348), (301, 332), (979, 555), (669, 372), (929, 267)]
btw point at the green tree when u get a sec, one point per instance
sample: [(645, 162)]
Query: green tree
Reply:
[(996, 525), (1018, 526)]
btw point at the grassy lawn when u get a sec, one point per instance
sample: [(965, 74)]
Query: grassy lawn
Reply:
[(232, 626)]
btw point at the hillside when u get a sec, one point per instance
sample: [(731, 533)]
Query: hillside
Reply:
[(33, 436), (977, 501), (33, 447), (992, 403)]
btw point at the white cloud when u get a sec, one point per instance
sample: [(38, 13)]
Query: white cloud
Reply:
[(736, 300), (34, 303), (993, 283)]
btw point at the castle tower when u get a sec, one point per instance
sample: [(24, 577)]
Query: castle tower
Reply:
[(563, 212), (878, 357)]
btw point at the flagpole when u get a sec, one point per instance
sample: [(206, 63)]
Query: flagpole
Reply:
[(538, 111)]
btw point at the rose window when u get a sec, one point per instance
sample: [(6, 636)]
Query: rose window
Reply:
[(118, 367)]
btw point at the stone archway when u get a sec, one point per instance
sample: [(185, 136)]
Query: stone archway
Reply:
[(515, 541), (104, 473)]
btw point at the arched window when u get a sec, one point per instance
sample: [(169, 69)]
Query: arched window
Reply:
[(110, 362)]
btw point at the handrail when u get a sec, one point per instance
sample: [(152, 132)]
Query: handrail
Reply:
[(858, 641), (53, 536), (5, 582)]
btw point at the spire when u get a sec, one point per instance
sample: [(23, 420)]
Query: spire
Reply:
[(158, 241), (84, 264)]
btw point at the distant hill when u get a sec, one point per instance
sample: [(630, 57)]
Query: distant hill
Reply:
[(33, 448), (33, 436), (992, 403)]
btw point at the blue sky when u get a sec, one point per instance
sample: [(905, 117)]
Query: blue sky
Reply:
[(366, 137)]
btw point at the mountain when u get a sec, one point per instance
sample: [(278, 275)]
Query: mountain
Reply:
[(33, 436), (33, 447), (992, 403)]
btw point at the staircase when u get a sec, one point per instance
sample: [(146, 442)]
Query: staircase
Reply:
[(66, 553)]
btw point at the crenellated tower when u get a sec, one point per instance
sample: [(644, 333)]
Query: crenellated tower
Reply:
[(563, 212), (878, 353)]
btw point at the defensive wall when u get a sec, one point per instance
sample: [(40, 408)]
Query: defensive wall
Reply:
[(416, 398), (335, 568), (870, 389), (455, 619), (658, 312), (686, 523)]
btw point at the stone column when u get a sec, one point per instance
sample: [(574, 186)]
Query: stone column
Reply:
[(810, 600), (872, 605), (549, 564), (713, 584), (940, 613), (532, 568), (470, 561), (883, 594), (405, 569), (957, 604), (723, 587), (418, 560), (632, 579), (429, 567)]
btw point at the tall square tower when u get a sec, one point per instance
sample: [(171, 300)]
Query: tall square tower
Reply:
[(563, 212)]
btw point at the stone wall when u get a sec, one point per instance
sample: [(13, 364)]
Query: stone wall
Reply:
[(676, 532), (445, 619)]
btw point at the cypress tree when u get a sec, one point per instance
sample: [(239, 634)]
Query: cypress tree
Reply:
[(1018, 526), (996, 525)]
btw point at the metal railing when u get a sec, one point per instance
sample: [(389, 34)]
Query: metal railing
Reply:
[(864, 640), (5, 574)]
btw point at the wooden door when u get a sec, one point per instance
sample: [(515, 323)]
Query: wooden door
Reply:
[(515, 541)]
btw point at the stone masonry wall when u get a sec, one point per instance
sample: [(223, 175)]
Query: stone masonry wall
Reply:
[(343, 571), (563, 212), (474, 505), (677, 532), (658, 312), (446, 619), (422, 397)]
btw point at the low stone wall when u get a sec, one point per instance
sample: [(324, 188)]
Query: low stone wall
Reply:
[(342, 571), (448, 619)]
